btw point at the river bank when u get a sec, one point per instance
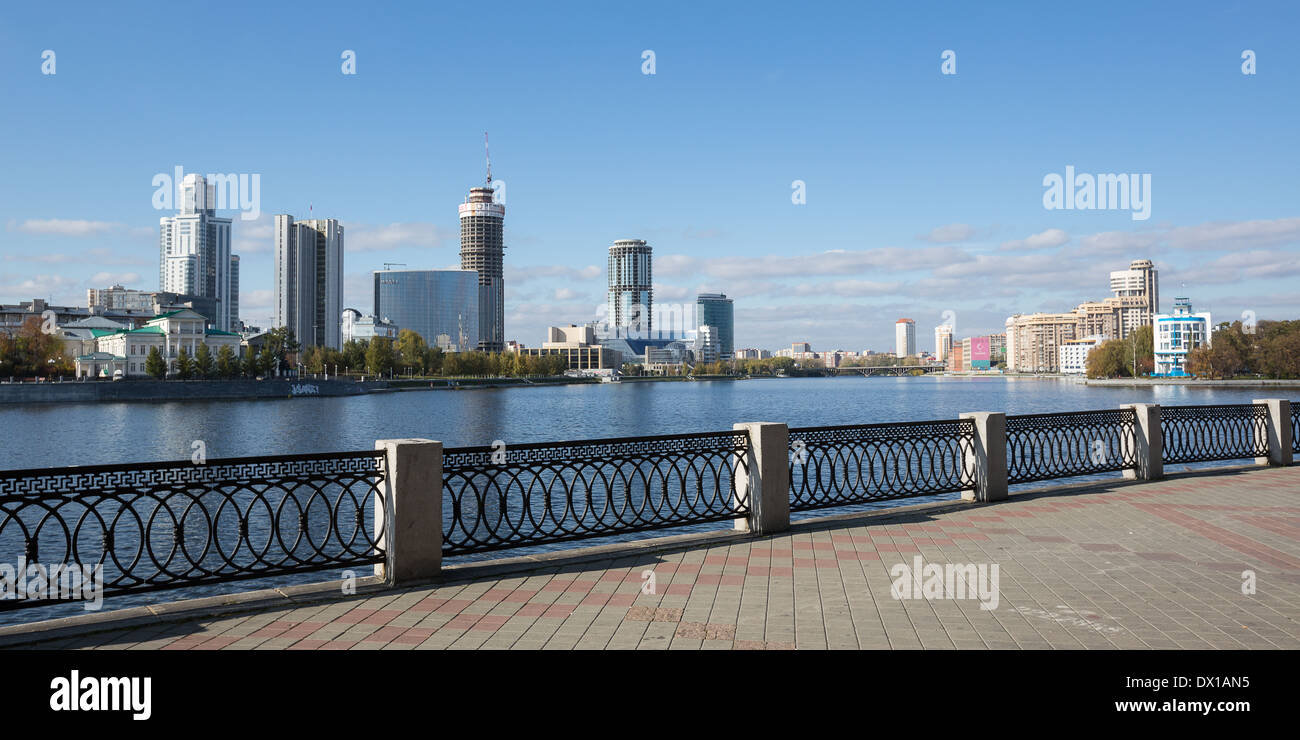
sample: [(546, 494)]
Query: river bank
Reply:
[(1191, 382)]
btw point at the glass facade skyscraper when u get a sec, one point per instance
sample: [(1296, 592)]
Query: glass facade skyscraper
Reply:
[(716, 310), (440, 305)]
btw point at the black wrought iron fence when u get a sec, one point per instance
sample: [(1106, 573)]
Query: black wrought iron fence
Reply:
[(1064, 445), (1295, 426), (835, 466), (497, 498), (153, 526), (1222, 432)]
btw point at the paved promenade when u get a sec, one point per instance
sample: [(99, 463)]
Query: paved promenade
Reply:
[(1154, 565)]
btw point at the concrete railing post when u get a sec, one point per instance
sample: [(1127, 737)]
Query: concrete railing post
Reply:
[(412, 539), (988, 456), (767, 475), (1278, 431), (1150, 451)]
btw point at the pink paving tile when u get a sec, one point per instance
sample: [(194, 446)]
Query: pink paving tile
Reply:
[(780, 572), (519, 597), (621, 600), (308, 645), (561, 611), (452, 606), (490, 623), (338, 645), (532, 610), (682, 589), (758, 570), (382, 617), (596, 599)]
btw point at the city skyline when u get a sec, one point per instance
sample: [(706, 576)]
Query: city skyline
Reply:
[(932, 204)]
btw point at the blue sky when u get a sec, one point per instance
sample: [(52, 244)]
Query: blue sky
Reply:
[(924, 190)]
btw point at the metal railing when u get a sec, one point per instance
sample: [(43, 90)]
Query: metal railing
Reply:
[(1295, 426), (496, 498), (1063, 445), (153, 526), (835, 466), (1222, 432)]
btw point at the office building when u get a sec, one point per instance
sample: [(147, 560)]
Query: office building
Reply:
[(440, 305), (309, 280), (905, 337), (194, 252), (366, 327), (482, 251), (1176, 335), (631, 294), (717, 310), (578, 346), (708, 344)]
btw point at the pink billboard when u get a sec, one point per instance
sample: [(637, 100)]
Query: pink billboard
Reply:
[(979, 349)]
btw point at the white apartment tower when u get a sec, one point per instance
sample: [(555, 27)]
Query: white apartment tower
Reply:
[(942, 342), (1140, 281), (309, 280), (905, 338), (194, 252)]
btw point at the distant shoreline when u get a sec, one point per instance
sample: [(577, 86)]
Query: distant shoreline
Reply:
[(1193, 382)]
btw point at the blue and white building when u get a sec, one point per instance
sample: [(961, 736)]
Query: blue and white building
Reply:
[(1176, 335)]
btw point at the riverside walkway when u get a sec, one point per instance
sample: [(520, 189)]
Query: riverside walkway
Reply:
[(1117, 565)]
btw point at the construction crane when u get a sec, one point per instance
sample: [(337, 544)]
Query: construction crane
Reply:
[(389, 265)]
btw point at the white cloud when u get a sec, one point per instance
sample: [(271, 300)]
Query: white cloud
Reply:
[(367, 238), (64, 227), (949, 234), (1042, 240)]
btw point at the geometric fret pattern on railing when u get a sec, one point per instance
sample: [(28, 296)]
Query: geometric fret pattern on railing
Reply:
[(835, 466), (1062, 445), (1222, 432), (152, 526), (529, 494)]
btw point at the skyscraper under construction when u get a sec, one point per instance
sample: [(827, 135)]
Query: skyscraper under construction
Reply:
[(482, 249)]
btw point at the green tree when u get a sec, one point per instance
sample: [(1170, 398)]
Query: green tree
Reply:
[(380, 358), (184, 365), (411, 349), (250, 366), (155, 365), (204, 366), (354, 355), (226, 363)]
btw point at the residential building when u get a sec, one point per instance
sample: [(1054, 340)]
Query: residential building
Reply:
[(1074, 354), (942, 342), (440, 305), (194, 252), (1176, 335), (708, 344), (905, 337), (753, 354), (309, 280), (1140, 283)]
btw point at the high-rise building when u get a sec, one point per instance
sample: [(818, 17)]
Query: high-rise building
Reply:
[(905, 338), (942, 342), (482, 250), (631, 293), (194, 252), (309, 280), (1140, 281), (442, 306), (717, 310)]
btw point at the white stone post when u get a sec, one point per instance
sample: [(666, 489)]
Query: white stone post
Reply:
[(1278, 431), (767, 476), (988, 458), (1150, 450), (412, 540)]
